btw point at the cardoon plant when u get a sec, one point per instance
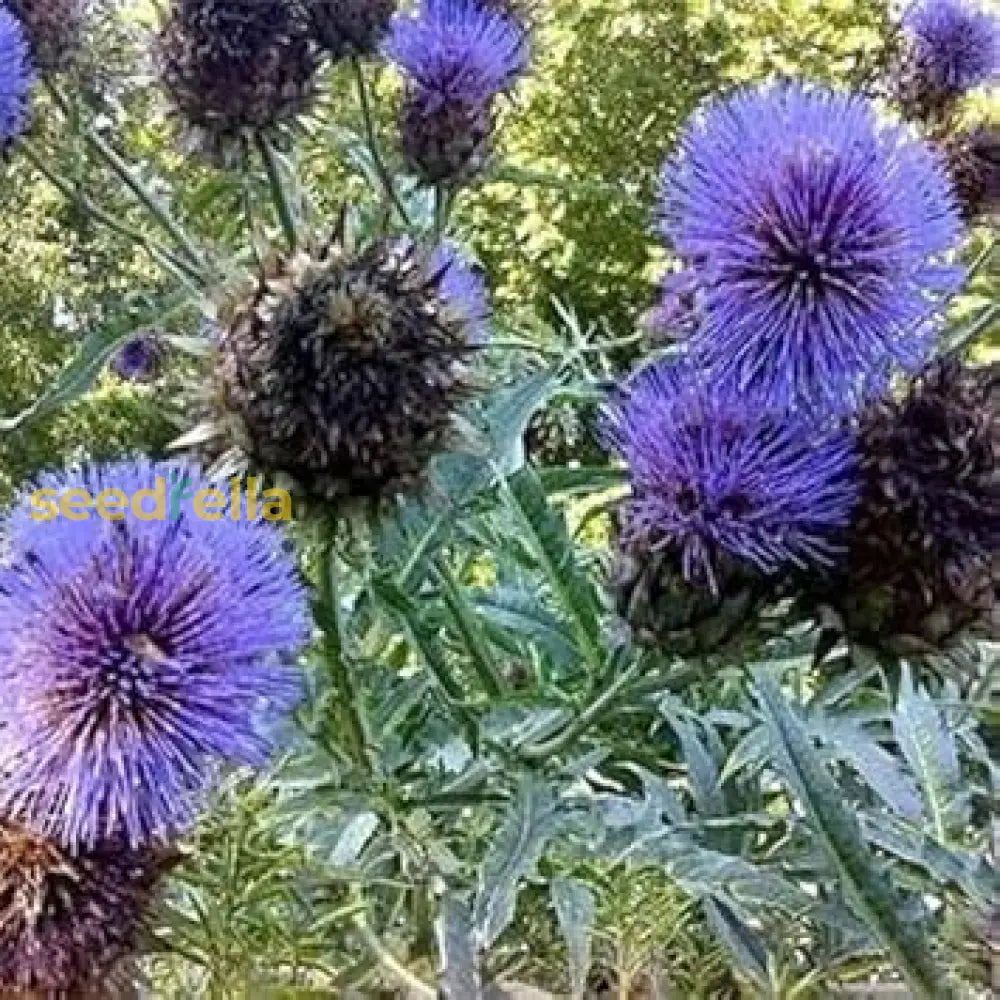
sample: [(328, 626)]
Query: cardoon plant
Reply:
[(951, 47), (16, 77), (822, 238), (715, 479), (234, 69), (68, 918), (345, 368), (457, 57), (127, 675)]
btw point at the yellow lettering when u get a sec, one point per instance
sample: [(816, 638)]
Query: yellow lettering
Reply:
[(75, 504), (159, 511), (205, 497), (280, 498), (234, 498), (43, 505), (111, 504)]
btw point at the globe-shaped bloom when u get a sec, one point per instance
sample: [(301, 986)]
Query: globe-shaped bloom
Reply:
[(344, 369), (137, 653), (234, 69), (954, 45), (718, 480), (457, 56), (16, 77), (69, 920), (822, 238)]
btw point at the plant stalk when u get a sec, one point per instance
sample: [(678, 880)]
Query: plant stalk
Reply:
[(385, 177), (122, 169), (333, 656)]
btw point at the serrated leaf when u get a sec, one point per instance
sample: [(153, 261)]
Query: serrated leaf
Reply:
[(508, 416), (575, 910), (514, 854), (546, 534), (703, 774), (460, 976), (839, 834), (879, 769), (351, 842), (930, 751), (519, 612), (739, 940)]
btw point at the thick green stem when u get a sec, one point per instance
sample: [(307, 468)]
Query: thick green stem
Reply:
[(390, 964), (279, 193), (385, 178), (121, 168), (169, 261), (480, 655), (442, 210), (587, 717), (328, 616)]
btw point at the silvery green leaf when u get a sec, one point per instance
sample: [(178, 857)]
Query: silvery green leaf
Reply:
[(531, 821), (575, 910)]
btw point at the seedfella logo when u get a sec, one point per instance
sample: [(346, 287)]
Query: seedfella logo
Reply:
[(164, 502)]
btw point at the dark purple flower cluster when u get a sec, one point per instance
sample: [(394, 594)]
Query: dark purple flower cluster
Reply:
[(457, 57)]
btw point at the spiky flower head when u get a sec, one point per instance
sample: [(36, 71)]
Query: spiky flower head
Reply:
[(457, 56), (821, 237), (926, 535), (716, 480), (16, 77), (138, 653), (350, 27), (54, 28), (345, 368), (68, 919), (973, 158), (951, 47), (139, 359), (232, 68)]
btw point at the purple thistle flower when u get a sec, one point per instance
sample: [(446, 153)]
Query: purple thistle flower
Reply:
[(717, 479), (137, 654), (463, 287), (457, 55), (821, 237), (139, 359), (17, 76), (954, 45)]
